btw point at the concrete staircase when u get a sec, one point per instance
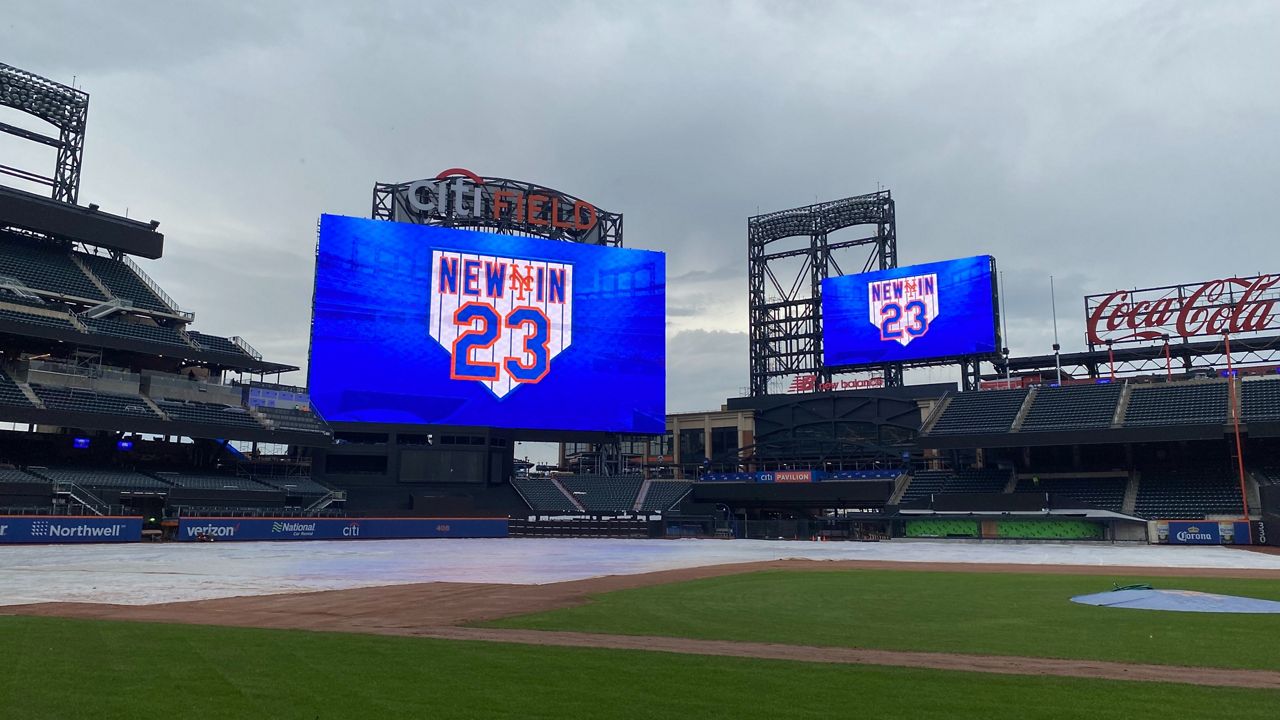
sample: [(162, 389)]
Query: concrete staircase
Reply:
[(1131, 493), (642, 495), (1022, 411), (1122, 407), (565, 491)]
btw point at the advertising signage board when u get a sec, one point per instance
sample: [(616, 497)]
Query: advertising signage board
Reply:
[(1229, 306)]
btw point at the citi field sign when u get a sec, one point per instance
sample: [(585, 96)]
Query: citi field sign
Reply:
[(459, 194), (1230, 306)]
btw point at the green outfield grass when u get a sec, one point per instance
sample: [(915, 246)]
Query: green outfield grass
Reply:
[(987, 613), (91, 669)]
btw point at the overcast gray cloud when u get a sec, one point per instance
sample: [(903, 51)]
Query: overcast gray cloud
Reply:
[(1110, 144)]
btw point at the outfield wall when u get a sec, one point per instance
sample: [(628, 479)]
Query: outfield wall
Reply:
[(223, 529), (16, 529)]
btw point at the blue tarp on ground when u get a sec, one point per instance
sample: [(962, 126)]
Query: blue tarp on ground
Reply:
[(1178, 601)]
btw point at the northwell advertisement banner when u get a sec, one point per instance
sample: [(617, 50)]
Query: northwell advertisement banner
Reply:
[(68, 529)]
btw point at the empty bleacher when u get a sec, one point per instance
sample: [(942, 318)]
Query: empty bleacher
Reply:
[(16, 475), (79, 400), (543, 496), (1188, 493), (294, 420), (295, 485), (136, 331), (1260, 400), (925, 483), (36, 318), (604, 494), (663, 494), (43, 266), (215, 344), (952, 482), (1192, 403), (1073, 407), (123, 282), (10, 394), (192, 481), (1105, 493), (992, 411), (102, 479), (208, 413)]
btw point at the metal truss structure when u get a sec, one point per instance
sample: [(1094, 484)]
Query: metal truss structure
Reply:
[(497, 205), (786, 309), (64, 107), (1183, 358)]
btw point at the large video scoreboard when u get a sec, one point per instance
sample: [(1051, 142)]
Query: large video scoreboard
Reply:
[(418, 324), (918, 313)]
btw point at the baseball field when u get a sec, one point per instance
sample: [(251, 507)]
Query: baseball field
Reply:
[(780, 638)]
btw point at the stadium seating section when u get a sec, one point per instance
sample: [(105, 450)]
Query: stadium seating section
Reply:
[(992, 411), (77, 400), (215, 343), (136, 331), (1073, 407), (213, 482), (302, 486), (294, 420), (208, 413), (15, 475), (1260, 400), (45, 267), (10, 394), (1188, 492), (103, 479), (34, 318), (1195, 403), (602, 494), (123, 282), (947, 482), (663, 494), (1103, 493), (544, 496)]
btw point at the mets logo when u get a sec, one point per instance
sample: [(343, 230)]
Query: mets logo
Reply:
[(903, 308), (502, 319)]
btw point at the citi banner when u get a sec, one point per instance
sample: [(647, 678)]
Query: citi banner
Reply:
[(478, 329), (69, 529), (1208, 532), (921, 312), (230, 529)]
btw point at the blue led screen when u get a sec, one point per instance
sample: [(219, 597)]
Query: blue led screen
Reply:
[(430, 325), (921, 312)]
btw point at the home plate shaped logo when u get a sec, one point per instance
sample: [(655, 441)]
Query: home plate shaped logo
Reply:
[(903, 308), (502, 319)]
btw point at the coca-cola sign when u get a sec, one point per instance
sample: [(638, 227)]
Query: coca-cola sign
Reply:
[(1234, 306)]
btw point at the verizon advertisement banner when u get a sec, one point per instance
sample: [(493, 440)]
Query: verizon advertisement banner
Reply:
[(68, 529), (1235, 306), (228, 529)]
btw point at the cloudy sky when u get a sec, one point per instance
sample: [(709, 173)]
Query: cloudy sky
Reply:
[(1110, 144)]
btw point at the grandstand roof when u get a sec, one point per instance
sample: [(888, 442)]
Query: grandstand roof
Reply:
[(80, 224)]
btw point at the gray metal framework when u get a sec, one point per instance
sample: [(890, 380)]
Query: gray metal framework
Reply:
[(64, 107), (1172, 356), (391, 202), (785, 310)]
